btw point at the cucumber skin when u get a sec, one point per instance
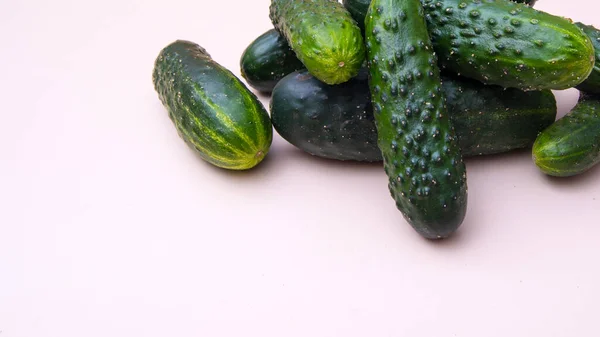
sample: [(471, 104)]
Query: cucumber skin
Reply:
[(571, 145), (427, 175), (212, 110), (336, 122), (592, 83), (468, 44), (323, 35), (267, 60)]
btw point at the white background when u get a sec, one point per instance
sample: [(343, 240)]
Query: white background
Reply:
[(111, 226)]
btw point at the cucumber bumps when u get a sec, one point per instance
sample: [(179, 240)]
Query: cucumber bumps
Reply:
[(508, 44), (504, 43), (422, 159), (324, 36), (213, 111)]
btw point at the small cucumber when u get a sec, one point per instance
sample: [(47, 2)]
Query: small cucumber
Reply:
[(323, 35), (212, 110), (422, 159), (571, 145), (592, 83), (504, 43), (267, 60), (336, 121)]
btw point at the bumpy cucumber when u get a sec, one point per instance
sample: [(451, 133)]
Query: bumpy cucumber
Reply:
[(336, 121), (505, 43), (592, 83), (571, 145), (324, 36), (213, 111), (422, 159), (509, 44), (267, 60), (358, 9)]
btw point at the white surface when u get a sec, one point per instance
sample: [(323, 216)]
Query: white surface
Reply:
[(110, 226)]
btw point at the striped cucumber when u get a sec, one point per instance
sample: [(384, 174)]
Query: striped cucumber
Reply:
[(324, 36), (212, 110), (422, 158)]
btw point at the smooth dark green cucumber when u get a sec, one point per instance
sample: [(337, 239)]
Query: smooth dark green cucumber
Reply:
[(358, 10), (508, 44), (323, 35), (336, 121), (422, 159), (592, 83), (212, 110), (571, 145), (267, 60)]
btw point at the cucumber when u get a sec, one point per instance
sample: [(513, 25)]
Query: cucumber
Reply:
[(504, 43), (571, 145), (422, 159), (336, 121), (323, 35), (527, 2), (212, 110), (329, 121), (592, 83), (509, 44), (267, 60), (358, 9)]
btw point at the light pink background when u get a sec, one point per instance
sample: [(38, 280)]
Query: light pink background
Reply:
[(110, 226)]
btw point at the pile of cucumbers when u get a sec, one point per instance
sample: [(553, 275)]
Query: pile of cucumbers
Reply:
[(417, 84)]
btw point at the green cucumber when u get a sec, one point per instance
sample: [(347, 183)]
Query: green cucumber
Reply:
[(509, 44), (323, 35), (329, 121), (212, 110), (267, 60), (504, 43), (571, 145), (358, 9), (422, 159), (527, 2), (336, 121), (592, 83)]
